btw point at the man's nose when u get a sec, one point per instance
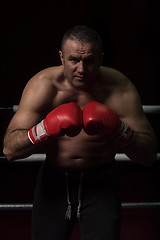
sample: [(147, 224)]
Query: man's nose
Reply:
[(81, 67)]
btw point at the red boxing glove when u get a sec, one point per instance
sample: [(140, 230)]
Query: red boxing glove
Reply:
[(65, 119), (98, 119)]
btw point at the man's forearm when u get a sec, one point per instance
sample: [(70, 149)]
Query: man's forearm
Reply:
[(17, 145), (143, 149)]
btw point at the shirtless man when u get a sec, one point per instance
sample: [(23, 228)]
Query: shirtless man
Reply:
[(82, 112)]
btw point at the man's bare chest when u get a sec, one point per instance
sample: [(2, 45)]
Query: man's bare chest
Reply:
[(80, 97)]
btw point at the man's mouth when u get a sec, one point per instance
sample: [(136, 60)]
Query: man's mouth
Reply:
[(80, 78)]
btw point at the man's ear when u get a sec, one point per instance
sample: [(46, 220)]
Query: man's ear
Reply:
[(61, 57)]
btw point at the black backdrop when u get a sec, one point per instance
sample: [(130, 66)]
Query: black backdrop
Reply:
[(31, 33)]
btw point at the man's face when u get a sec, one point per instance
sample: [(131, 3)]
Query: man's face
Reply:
[(81, 62)]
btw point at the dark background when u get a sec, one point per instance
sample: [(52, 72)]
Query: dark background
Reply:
[(30, 38), (31, 34)]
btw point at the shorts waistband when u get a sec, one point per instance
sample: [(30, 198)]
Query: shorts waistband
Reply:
[(86, 171)]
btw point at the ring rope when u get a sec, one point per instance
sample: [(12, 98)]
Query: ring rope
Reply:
[(153, 109), (127, 205), (120, 157), (140, 205)]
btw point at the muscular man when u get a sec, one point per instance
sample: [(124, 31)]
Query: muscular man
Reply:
[(82, 112)]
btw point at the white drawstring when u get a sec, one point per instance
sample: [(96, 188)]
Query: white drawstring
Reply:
[(79, 196), (68, 212)]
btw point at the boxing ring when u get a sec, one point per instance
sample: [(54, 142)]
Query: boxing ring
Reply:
[(41, 157), (120, 158)]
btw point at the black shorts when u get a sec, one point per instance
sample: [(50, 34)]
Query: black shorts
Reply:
[(98, 191)]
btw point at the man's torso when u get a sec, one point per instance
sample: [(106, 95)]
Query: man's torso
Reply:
[(81, 151)]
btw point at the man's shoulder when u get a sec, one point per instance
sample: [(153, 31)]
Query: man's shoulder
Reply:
[(115, 81), (116, 86), (112, 75), (51, 73), (119, 90), (47, 77)]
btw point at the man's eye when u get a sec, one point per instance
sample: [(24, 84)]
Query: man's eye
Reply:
[(74, 60), (89, 61)]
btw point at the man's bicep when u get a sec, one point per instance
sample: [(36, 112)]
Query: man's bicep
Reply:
[(24, 119), (33, 106), (27, 115), (135, 117), (131, 112)]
